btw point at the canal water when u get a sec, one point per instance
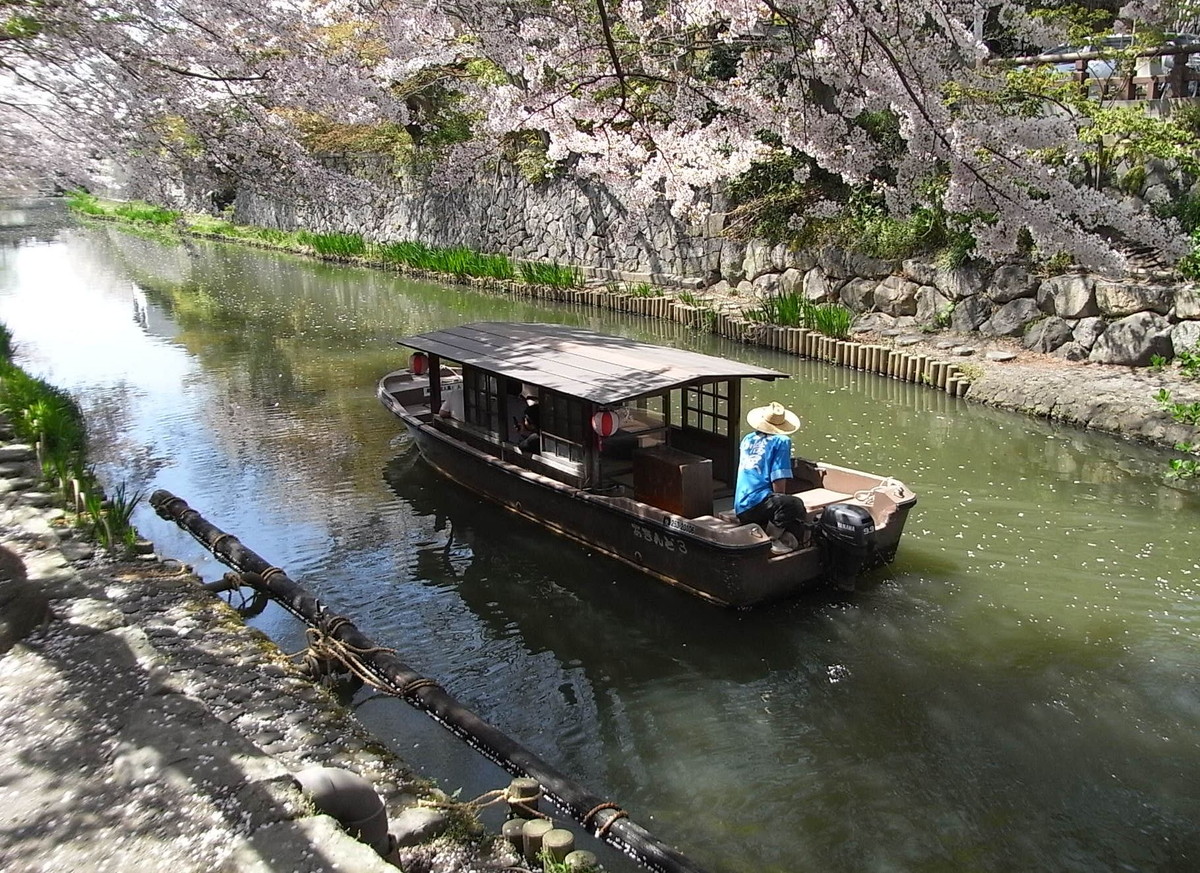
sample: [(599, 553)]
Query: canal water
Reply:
[(1017, 692)]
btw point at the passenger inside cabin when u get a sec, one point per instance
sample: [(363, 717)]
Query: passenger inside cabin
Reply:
[(765, 476), (453, 403), (529, 436), (514, 406)]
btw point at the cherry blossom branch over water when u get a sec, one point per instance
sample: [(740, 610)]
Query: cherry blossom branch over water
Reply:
[(657, 99)]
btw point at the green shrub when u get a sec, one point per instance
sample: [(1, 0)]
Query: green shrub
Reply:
[(1184, 413), (1189, 362)]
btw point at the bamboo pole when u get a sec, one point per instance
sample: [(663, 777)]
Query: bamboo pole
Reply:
[(598, 816)]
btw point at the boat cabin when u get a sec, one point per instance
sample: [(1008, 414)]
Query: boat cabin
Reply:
[(615, 415)]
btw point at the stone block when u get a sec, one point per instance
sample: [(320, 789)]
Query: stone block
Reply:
[(816, 286), (1072, 351), (792, 281), (840, 264), (1187, 300), (767, 283), (1048, 334), (895, 295), (1011, 282), (1118, 299), (1088, 330), (733, 256), (958, 283), (1011, 318), (1185, 337), (858, 295), (969, 313), (919, 271), (1069, 296), (758, 260), (932, 305), (872, 322), (1133, 341)]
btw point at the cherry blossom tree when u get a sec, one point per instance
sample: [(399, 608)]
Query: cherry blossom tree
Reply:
[(660, 100)]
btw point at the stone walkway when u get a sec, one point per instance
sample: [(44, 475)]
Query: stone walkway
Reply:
[(1116, 400), (145, 727)]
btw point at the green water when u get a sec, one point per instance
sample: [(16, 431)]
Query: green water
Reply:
[(1017, 692)]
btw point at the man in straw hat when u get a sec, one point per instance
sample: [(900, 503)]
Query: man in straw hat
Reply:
[(765, 473)]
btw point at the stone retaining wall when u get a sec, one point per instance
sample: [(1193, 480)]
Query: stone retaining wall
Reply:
[(1077, 316)]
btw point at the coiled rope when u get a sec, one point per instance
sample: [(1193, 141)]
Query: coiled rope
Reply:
[(867, 497), (590, 817)]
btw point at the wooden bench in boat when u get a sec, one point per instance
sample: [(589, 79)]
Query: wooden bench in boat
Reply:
[(815, 501)]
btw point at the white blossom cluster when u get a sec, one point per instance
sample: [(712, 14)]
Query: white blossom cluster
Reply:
[(661, 100)]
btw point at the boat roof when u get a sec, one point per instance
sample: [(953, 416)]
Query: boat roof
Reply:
[(581, 363)]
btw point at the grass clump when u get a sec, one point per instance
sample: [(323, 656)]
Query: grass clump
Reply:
[(791, 309), (135, 211), (334, 245), (48, 418), (554, 274)]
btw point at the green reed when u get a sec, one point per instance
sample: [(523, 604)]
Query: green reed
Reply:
[(553, 274), (791, 309), (334, 245)]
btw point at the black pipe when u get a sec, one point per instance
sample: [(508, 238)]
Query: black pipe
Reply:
[(602, 818)]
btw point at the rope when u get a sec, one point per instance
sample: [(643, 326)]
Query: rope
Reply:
[(324, 646), (492, 798), (586, 821), (271, 571), (416, 685), (225, 536), (867, 497)]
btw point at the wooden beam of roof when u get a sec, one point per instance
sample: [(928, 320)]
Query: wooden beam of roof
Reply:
[(582, 363)]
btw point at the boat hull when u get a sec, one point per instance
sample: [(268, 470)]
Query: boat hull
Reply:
[(654, 542)]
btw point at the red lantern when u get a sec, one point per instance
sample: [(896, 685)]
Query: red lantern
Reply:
[(606, 422), (419, 363)]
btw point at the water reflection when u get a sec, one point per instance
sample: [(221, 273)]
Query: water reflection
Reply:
[(1017, 691)]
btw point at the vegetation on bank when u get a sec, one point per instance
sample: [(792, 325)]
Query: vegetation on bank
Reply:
[(457, 261), (49, 419), (791, 309), (785, 309), (1184, 413)]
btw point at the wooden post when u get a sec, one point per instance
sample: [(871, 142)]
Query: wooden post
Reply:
[(511, 831), (523, 797), (558, 843), (532, 834)]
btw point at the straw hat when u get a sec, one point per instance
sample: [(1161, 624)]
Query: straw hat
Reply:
[(773, 418)]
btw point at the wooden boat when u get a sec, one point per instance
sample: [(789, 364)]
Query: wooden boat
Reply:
[(637, 459)]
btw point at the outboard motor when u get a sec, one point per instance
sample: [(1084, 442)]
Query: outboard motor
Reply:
[(848, 532)]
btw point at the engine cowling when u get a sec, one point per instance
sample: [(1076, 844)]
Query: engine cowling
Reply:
[(848, 532)]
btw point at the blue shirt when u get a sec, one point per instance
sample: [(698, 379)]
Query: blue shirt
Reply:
[(764, 458)]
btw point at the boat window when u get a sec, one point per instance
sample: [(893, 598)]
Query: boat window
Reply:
[(563, 426), (482, 396), (706, 407)]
